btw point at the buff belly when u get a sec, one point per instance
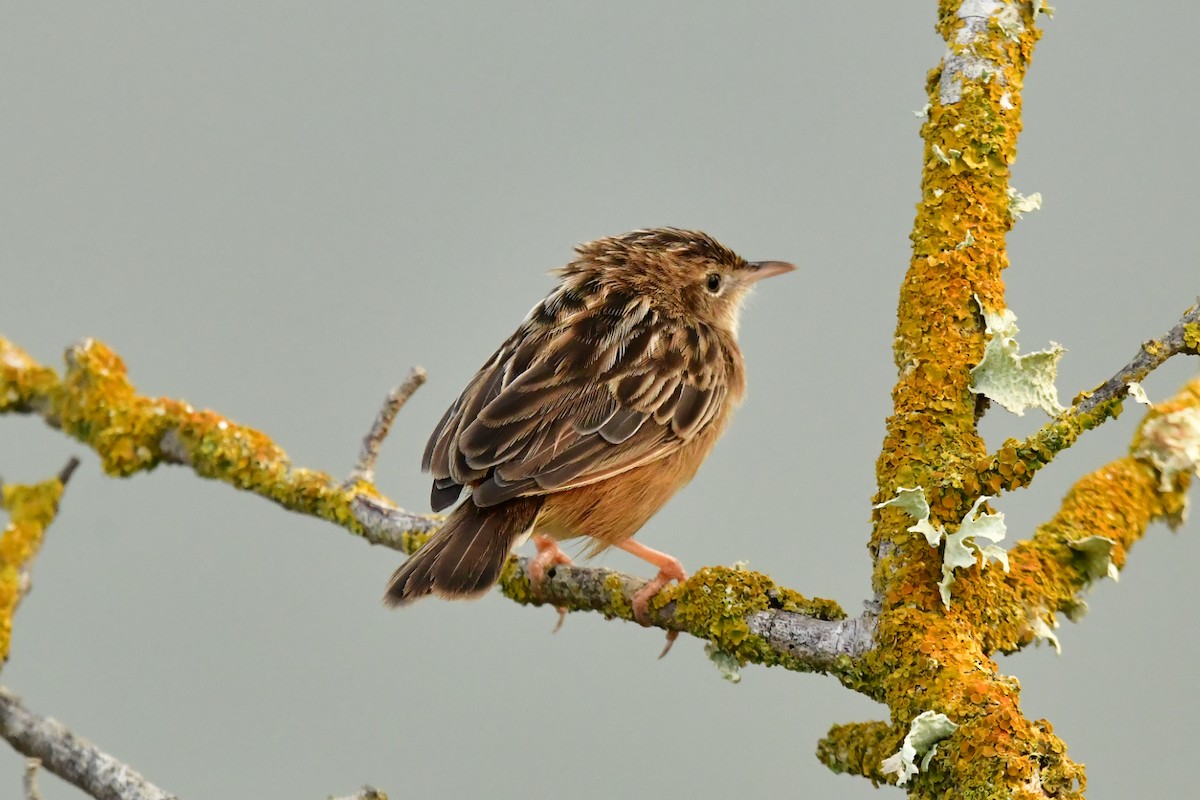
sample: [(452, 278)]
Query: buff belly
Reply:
[(613, 510)]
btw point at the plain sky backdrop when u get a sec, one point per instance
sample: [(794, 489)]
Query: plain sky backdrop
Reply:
[(273, 209)]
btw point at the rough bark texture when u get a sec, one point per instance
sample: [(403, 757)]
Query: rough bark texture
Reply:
[(71, 758)]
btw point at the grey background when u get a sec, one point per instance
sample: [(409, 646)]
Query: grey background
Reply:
[(273, 209)]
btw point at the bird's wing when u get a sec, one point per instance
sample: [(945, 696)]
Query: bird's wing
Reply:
[(575, 396)]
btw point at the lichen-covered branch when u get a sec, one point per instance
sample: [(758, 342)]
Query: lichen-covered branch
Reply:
[(94, 402), (742, 613), (30, 509), (751, 618), (930, 657), (1103, 515), (71, 758), (933, 658), (49, 744), (1015, 463), (859, 748)]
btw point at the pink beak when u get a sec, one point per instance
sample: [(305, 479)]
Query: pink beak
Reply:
[(767, 269)]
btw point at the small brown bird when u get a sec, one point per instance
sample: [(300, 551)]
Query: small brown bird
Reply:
[(592, 415)]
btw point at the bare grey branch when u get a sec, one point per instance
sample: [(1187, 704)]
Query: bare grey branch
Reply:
[(390, 526), (1149, 357), (364, 470), (71, 758), (365, 793)]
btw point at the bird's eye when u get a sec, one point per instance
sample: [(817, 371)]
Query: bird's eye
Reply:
[(714, 282)]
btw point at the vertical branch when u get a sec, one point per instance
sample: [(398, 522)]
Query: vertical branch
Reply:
[(31, 509), (959, 253), (931, 661)]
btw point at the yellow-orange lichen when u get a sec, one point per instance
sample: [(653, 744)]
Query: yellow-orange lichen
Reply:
[(95, 402), (930, 657), (30, 509)]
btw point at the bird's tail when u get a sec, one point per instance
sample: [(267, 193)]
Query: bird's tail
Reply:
[(464, 558)]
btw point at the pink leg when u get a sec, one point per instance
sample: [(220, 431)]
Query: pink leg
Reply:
[(548, 555), (669, 569)]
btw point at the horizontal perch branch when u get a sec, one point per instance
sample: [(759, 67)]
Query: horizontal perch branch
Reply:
[(742, 613)]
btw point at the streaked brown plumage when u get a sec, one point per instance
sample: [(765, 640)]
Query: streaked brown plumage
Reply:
[(592, 415)]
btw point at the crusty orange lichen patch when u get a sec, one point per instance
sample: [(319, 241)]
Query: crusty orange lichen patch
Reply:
[(30, 509), (932, 658)]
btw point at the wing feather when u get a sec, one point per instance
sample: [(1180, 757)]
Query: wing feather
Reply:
[(578, 394)]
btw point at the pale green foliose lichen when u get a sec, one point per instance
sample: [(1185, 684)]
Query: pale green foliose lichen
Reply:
[(1008, 20), (1015, 381), (961, 546), (1096, 555), (1172, 444), (913, 502), (1138, 393), (962, 549), (726, 663), (929, 728), (1044, 632), (1019, 204)]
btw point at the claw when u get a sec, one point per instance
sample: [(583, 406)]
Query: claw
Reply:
[(669, 569)]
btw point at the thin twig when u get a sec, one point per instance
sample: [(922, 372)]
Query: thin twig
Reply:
[(66, 472), (1149, 357), (71, 758), (29, 781), (364, 470), (365, 793)]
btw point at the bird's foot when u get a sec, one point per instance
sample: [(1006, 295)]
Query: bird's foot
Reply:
[(549, 555), (669, 569)]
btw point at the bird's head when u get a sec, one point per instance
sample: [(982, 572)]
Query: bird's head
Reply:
[(685, 273)]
